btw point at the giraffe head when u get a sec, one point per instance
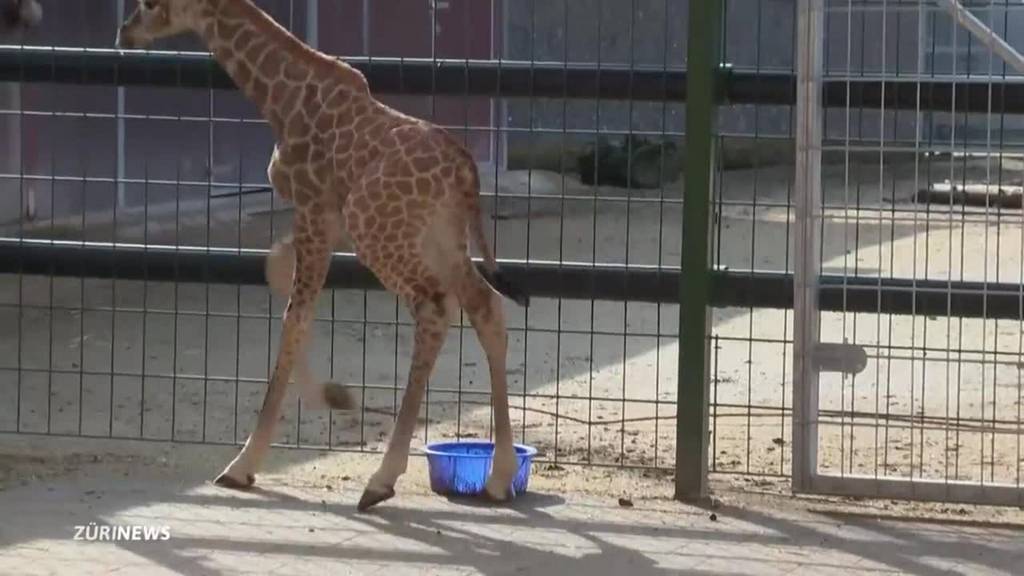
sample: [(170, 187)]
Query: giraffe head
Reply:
[(20, 13), (155, 19)]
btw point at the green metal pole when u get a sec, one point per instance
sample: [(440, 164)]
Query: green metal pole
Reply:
[(702, 71)]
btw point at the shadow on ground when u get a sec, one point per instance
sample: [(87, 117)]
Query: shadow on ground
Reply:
[(290, 526)]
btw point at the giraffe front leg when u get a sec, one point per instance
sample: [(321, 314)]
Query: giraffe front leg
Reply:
[(431, 317), (312, 261), (241, 472), (317, 395)]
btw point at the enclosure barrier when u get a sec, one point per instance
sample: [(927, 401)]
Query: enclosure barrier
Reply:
[(545, 279), (510, 79), (696, 284)]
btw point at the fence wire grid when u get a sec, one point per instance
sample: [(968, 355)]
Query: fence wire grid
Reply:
[(932, 196), (568, 182), (153, 168)]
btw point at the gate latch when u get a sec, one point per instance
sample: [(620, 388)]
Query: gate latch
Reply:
[(836, 357)]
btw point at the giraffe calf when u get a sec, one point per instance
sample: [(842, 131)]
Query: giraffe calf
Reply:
[(402, 190)]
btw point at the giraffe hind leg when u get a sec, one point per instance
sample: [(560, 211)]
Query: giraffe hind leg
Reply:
[(431, 318), (280, 269), (483, 305)]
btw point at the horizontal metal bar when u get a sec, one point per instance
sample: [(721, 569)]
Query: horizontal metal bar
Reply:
[(440, 389), (385, 75), (920, 489), (541, 279), (516, 78), (985, 95), (228, 266)]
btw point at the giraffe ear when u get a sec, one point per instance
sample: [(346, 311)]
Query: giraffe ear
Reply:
[(156, 9), (155, 13)]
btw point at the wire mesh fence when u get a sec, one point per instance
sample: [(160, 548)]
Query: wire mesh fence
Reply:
[(152, 188), (929, 195), (134, 286), (751, 347)]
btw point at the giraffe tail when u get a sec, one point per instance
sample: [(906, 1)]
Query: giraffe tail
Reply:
[(492, 274), (507, 288)]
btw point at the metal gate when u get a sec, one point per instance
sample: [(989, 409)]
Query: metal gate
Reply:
[(909, 224)]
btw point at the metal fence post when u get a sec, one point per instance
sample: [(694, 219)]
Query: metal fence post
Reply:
[(702, 70), (313, 23), (807, 243)]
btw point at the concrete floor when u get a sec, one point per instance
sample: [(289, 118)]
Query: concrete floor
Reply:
[(302, 520)]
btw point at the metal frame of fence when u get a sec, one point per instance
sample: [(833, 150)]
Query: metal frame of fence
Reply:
[(908, 420), (700, 284), (29, 259)]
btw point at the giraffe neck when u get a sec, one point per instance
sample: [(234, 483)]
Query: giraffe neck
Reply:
[(269, 64)]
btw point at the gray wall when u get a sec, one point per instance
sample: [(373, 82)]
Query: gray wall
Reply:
[(759, 34)]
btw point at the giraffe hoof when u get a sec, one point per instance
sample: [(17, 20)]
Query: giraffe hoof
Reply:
[(338, 397), (373, 496), (489, 495), (225, 481)]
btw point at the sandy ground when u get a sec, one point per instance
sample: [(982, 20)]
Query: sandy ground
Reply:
[(301, 520), (939, 399)]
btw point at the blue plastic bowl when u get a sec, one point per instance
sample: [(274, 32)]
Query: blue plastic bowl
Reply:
[(461, 468)]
